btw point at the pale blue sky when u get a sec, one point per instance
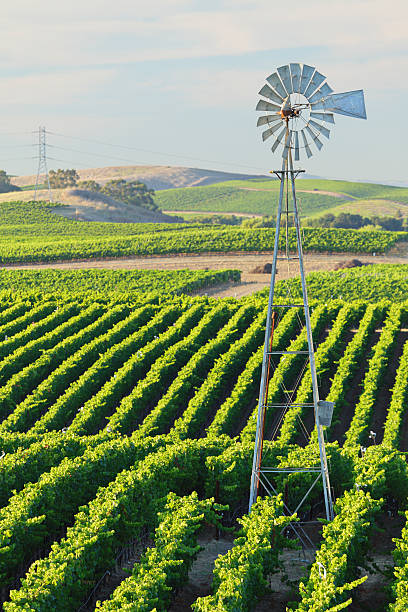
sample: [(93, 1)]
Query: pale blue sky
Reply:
[(181, 77)]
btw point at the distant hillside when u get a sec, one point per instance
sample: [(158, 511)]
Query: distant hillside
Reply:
[(181, 189), (86, 206), (155, 177), (260, 196)]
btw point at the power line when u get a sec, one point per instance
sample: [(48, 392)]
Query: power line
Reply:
[(67, 161), (92, 154), (187, 157), (16, 158)]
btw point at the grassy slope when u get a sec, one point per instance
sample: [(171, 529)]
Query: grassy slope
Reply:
[(78, 205), (259, 196)]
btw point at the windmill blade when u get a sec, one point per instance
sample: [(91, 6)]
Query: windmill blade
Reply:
[(278, 140), (284, 73), (315, 139), (322, 92), (327, 117), (267, 92), (320, 128), (316, 80), (267, 133), (268, 119), (295, 71), (307, 72), (286, 147), (296, 146), (349, 103), (276, 83), (266, 106), (306, 144)]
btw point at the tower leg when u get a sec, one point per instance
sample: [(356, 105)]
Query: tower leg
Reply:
[(322, 450), (256, 464)]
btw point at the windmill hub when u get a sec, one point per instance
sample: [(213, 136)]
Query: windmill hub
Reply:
[(296, 106), (290, 112)]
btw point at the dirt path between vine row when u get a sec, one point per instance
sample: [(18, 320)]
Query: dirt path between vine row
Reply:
[(246, 262)]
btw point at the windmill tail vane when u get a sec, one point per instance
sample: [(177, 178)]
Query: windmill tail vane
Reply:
[(300, 102)]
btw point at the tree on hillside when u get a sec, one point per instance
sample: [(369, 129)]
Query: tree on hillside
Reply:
[(63, 178), (5, 184), (130, 192), (90, 186)]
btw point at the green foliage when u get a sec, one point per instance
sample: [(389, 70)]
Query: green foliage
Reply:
[(100, 405), (5, 183), (27, 248), (373, 283), (246, 389), (119, 512), (184, 365), (398, 403), (89, 185), (345, 540), (63, 178), (132, 366), (164, 568), (355, 351), (288, 368), (130, 192), (327, 352), (357, 432), (33, 232), (26, 282), (356, 221)]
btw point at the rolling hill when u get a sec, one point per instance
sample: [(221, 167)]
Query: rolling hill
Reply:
[(194, 190), (82, 205), (155, 177), (259, 196)]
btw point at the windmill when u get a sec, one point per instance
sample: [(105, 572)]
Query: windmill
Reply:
[(299, 108)]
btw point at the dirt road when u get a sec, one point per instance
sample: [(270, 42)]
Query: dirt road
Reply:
[(246, 262)]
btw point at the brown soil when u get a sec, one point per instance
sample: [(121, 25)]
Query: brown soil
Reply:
[(200, 575)]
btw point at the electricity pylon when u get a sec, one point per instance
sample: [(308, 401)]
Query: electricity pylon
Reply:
[(42, 163)]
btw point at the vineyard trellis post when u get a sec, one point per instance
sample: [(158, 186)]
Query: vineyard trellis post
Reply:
[(261, 474)]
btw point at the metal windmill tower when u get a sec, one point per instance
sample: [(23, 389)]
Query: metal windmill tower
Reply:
[(42, 162), (299, 107)]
